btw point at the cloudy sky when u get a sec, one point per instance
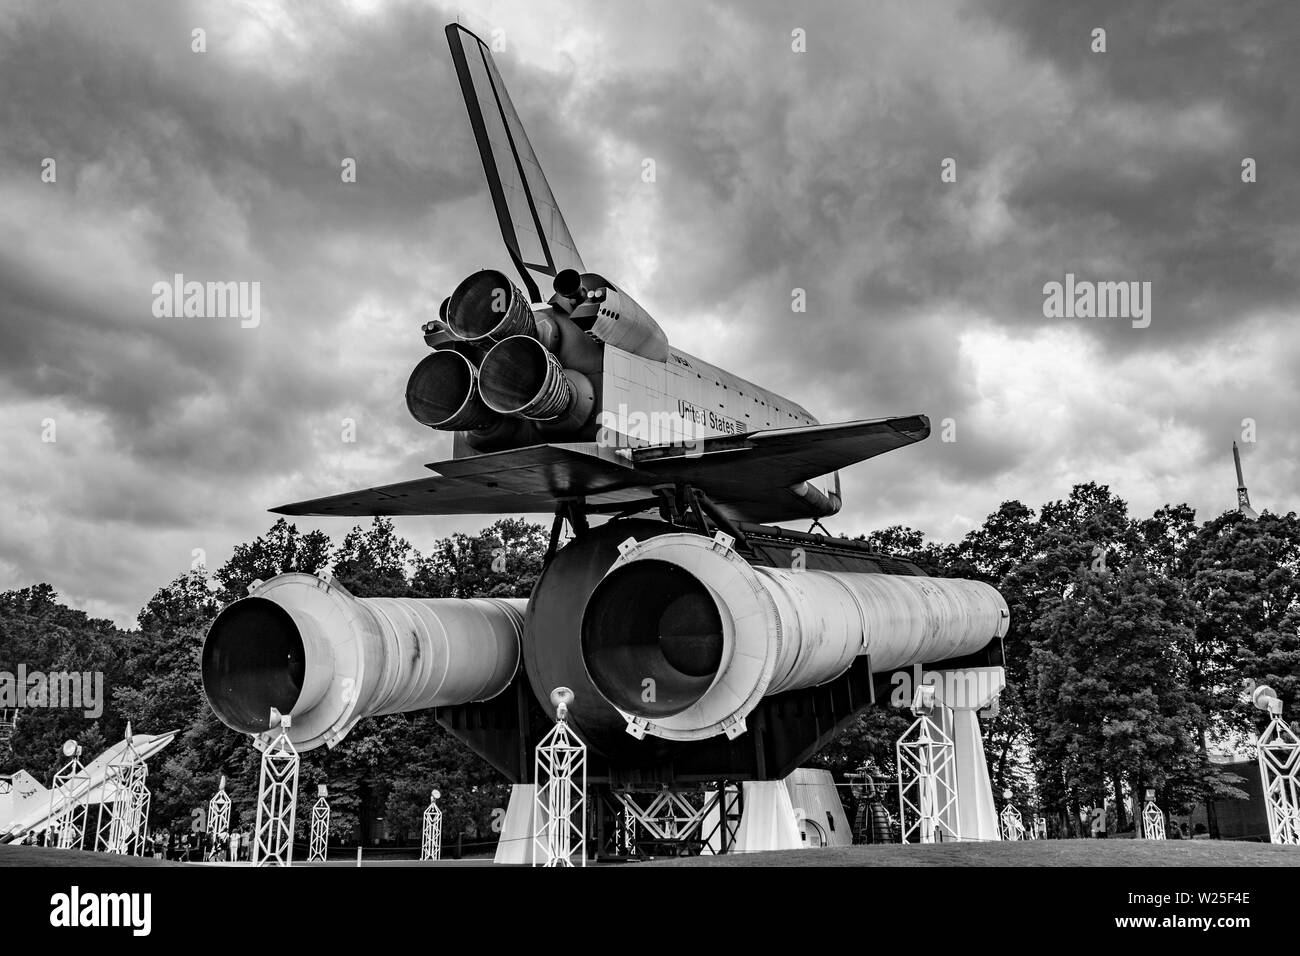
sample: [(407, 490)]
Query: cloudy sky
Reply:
[(775, 170)]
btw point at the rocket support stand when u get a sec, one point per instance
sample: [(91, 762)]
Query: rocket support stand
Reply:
[(277, 795), (431, 840), (560, 813), (218, 818), (320, 831), (1279, 770)]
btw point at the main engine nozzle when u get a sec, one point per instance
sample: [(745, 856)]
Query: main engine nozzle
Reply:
[(308, 648), (487, 308), (685, 637), (443, 392), (521, 377)]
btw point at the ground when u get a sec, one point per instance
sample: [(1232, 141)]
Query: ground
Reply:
[(1034, 853), (1031, 853)]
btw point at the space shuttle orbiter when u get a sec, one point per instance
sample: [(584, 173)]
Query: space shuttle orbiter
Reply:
[(578, 402), (698, 643)]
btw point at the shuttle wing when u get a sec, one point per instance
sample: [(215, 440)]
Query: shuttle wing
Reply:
[(748, 476), (788, 454), (531, 223), (520, 481)]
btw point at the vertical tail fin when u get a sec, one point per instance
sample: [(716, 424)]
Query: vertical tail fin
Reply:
[(532, 226)]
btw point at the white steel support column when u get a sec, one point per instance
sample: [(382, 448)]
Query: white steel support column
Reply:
[(70, 787), (1153, 818), (1279, 770), (927, 789), (117, 820), (1012, 824), (431, 841), (277, 795), (560, 827), (218, 820), (320, 828), (1153, 822), (141, 801)]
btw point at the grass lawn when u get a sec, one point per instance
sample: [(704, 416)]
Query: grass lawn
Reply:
[(1033, 853), (47, 856), (1030, 853)]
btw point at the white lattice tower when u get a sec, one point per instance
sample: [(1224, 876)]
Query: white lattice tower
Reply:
[(624, 827), (1279, 770), (927, 786), (668, 816), (320, 828), (431, 838), (8, 725), (560, 812), (1153, 822), (1011, 823), (141, 801), (115, 823), (277, 795), (70, 789), (218, 818), (729, 804)]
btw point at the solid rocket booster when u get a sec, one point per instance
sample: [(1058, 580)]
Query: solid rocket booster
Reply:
[(305, 646), (685, 637)]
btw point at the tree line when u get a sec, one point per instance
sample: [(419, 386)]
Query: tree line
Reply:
[(1129, 643)]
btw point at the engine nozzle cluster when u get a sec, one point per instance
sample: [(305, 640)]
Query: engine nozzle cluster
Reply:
[(500, 371)]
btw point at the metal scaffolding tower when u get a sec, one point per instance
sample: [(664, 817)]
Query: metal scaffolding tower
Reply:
[(927, 786), (431, 839), (1279, 770), (218, 819), (124, 803), (560, 811), (320, 827), (1153, 818), (70, 789), (277, 794), (1011, 823)]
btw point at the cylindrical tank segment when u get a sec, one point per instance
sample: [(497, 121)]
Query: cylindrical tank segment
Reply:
[(308, 648), (685, 637), (443, 392), (487, 308)]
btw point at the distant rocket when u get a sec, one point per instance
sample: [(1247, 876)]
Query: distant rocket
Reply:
[(1243, 499)]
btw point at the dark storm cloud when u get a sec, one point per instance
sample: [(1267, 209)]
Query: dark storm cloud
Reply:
[(236, 161), (1106, 172)]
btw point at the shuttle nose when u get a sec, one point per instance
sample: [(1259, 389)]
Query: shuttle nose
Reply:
[(652, 639)]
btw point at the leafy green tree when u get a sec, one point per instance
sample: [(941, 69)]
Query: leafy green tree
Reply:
[(281, 550), (1112, 702), (161, 688), (504, 560), (374, 561), (1246, 583), (41, 634)]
